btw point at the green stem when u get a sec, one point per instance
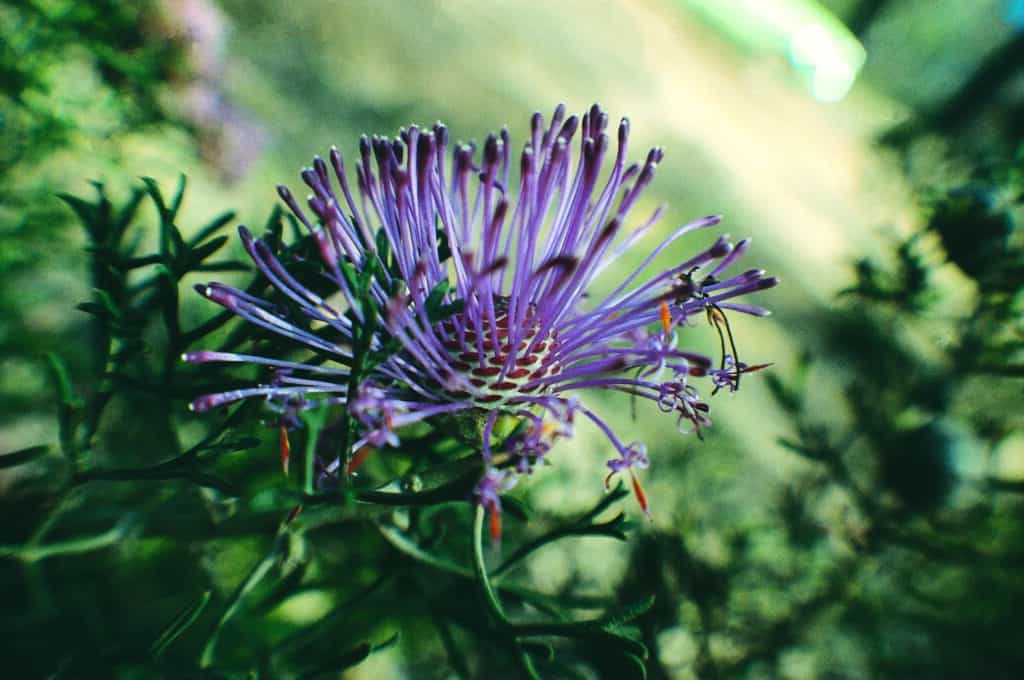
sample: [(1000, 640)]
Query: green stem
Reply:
[(525, 550), (315, 421), (583, 526), (33, 553), (480, 568), (491, 598), (253, 579), (403, 544)]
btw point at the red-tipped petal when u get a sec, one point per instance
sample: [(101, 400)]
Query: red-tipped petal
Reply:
[(358, 459), (286, 450), (666, 317), (495, 518), (638, 491)]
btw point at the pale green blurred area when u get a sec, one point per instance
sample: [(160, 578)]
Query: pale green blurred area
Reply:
[(744, 138)]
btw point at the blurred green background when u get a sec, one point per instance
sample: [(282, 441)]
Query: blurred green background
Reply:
[(771, 112)]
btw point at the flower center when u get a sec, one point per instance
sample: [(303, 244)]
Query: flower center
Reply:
[(482, 355)]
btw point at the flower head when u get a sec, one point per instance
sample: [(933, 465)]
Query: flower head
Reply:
[(478, 295)]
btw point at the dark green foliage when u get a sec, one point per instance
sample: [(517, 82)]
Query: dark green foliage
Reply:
[(387, 557), (917, 507), (154, 502), (73, 75), (923, 557), (38, 35), (975, 233)]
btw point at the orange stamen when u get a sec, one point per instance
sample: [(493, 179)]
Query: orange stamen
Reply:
[(358, 459), (286, 450), (666, 318), (495, 518), (638, 491)]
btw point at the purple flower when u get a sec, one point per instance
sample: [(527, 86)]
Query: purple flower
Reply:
[(372, 407), (633, 456), (529, 446), (630, 458), (490, 487), (488, 494), (513, 257), (728, 376), (677, 396)]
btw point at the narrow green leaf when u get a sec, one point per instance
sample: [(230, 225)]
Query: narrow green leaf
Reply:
[(409, 547), (315, 419), (228, 446), (627, 613), (367, 274), (273, 225), (641, 667), (444, 250), (629, 646), (811, 453), (22, 456), (171, 242), (543, 650), (436, 309), (200, 253), (153, 190), (32, 552), (86, 212), (297, 229), (253, 579), (179, 624), (610, 498), (179, 194), (107, 302), (348, 272), (126, 215), (383, 246), (223, 266), (173, 469), (68, 404), (284, 589), (95, 309), (377, 357), (515, 507), (168, 292), (450, 309), (211, 228), (348, 659)]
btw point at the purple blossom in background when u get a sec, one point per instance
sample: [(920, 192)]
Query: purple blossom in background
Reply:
[(527, 340)]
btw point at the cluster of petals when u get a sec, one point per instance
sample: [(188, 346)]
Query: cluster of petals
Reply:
[(515, 252)]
